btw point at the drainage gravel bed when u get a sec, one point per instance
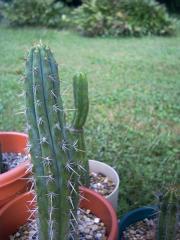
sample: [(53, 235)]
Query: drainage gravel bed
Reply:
[(145, 230), (89, 226), (101, 184), (11, 160)]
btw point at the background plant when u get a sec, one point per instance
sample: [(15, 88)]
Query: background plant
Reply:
[(149, 16), (122, 18), (36, 12)]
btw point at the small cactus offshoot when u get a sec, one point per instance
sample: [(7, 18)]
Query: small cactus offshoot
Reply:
[(81, 104), (52, 146), (169, 214)]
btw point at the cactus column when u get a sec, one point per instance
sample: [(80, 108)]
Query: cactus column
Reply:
[(51, 153)]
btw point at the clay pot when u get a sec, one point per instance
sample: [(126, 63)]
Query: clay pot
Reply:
[(12, 182), (10, 221)]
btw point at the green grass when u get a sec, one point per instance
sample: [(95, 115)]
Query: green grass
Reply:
[(134, 88)]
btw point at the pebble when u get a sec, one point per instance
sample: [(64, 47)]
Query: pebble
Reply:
[(89, 226), (11, 160), (101, 184)]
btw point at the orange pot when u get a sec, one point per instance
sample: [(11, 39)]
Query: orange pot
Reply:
[(10, 221), (13, 182)]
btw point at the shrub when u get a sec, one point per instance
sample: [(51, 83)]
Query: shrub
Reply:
[(149, 16), (35, 12), (126, 17)]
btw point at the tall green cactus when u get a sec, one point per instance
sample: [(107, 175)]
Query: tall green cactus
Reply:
[(52, 148), (168, 215)]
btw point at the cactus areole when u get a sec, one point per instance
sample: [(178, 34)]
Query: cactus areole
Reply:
[(52, 145)]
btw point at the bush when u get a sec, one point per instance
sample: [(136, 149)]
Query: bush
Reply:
[(121, 18), (35, 12), (149, 16)]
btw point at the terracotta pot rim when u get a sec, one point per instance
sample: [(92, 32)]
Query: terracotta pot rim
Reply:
[(19, 171), (13, 133), (82, 188), (99, 197), (14, 174)]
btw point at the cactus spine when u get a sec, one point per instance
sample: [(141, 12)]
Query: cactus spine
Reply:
[(168, 215), (81, 103), (51, 151)]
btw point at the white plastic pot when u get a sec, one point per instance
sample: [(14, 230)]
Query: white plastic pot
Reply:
[(100, 167)]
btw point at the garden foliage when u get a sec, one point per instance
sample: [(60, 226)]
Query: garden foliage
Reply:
[(94, 17), (36, 12), (122, 18)]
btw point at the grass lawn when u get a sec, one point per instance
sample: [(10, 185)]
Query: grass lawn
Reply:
[(134, 88)]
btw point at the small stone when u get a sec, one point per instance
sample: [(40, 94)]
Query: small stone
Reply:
[(96, 220), (88, 211), (17, 234)]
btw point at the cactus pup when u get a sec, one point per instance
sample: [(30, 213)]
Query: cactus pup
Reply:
[(168, 214), (52, 146), (76, 130)]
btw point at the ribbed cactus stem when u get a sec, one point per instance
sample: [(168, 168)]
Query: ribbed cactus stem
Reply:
[(168, 215), (50, 150), (81, 104)]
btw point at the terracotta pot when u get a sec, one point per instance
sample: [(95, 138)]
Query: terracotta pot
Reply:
[(10, 221), (96, 166), (13, 182)]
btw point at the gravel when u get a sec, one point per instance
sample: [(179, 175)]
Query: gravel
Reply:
[(145, 230), (90, 227), (11, 160), (101, 184), (142, 230)]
